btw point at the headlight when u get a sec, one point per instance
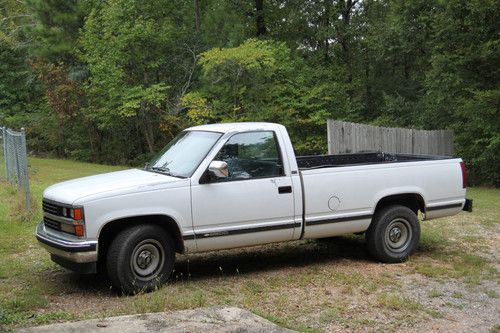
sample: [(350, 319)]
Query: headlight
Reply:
[(77, 227)]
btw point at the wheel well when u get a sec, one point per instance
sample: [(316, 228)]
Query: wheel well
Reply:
[(111, 229), (411, 200)]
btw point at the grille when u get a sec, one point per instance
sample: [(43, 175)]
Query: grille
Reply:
[(52, 208), (52, 223)]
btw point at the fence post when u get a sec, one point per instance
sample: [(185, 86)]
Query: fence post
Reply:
[(26, 183), (4, 142), (18, 166), (329, 135)]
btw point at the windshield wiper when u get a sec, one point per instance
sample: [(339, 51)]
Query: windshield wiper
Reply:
[(163, 170)]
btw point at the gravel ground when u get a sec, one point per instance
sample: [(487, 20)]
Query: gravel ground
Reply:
[(463, 308)]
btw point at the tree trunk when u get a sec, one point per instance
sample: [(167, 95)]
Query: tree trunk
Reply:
[(259, 18), (148, 129), (326, 24), (197, 16), (345, 8)]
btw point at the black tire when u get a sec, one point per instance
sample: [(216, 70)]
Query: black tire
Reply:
[(394, 234), (140, 259)]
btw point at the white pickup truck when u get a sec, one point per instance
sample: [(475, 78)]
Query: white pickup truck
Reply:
[(224, 186)]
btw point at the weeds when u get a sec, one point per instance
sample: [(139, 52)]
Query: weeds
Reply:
[(433, 293), (399, 303)]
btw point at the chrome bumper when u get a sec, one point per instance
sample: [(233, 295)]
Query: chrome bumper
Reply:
[(77, 251)]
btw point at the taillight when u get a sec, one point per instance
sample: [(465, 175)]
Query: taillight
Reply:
[(464, 174)]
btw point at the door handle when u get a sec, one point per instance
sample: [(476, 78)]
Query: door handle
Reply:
[(284, 189)]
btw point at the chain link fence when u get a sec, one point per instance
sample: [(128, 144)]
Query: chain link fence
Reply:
[(15, 160)]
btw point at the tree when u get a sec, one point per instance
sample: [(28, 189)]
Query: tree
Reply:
[(56, 29), (131, 90), (463, 83), (86, 76)]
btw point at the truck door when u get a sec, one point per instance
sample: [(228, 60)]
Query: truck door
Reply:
[(253, 205)]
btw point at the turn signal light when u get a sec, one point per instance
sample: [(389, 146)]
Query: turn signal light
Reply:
[(79, 230), (77, 214)]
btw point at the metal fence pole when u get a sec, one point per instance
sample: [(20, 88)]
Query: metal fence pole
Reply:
[(26, 183), (8, 155), (4, 142), (16, 156)]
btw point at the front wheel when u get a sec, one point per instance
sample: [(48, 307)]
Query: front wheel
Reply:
[(140, 258), (394, 234)]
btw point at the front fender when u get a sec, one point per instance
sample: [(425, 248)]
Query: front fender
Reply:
[(174, 203)]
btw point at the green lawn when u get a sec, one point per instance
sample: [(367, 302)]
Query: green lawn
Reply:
[(305, 285), (22, 262)]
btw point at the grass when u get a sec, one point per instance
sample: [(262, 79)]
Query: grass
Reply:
[(310, 286), (492, 293), (23, 290), (433, 293), (397, 302)]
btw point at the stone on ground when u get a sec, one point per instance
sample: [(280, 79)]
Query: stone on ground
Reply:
[(193, 321)]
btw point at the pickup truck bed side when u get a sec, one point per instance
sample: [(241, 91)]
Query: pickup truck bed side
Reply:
[(343, 199)]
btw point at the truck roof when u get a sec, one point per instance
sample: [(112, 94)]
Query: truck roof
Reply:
[(235, 127)]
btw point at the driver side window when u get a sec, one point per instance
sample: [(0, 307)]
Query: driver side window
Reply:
[(251, 155)]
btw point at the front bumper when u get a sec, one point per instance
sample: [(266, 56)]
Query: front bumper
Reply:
[(69, 250)]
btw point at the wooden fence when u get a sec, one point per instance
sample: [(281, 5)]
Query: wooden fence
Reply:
[(345, 137)]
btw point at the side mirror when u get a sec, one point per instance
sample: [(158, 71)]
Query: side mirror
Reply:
[(218, 169)]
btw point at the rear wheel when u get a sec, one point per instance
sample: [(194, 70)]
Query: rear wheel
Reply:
[(394, 234), (140, 258)]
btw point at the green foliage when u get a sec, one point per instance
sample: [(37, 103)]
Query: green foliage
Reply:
[(84, 77), (256, 81), (138, 97), (55, 27), (114, 39), (198, 109), (462, 85), (13, 76), (478, 135), (238, 81), (251, 55)]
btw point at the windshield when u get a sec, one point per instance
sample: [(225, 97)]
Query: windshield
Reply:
[(184, 153)]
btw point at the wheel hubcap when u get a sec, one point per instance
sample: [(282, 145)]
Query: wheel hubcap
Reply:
[(144, 259), (395, 234), (398, 235), (147, 259)]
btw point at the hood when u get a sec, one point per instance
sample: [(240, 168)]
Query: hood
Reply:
[(109, 184)]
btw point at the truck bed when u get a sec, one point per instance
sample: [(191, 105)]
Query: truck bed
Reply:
[(329, 161)]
